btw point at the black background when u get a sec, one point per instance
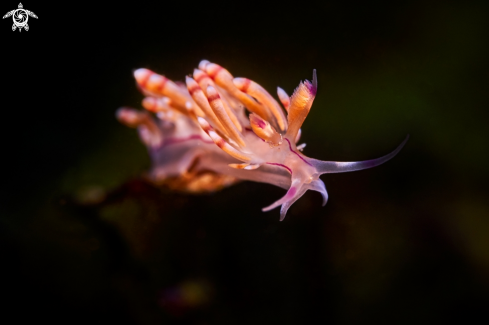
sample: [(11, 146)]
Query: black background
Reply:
[(403, 243)]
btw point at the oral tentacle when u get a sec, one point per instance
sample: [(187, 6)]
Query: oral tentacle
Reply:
[(291, 193), (285, 207), (318, 186), (324, 167)]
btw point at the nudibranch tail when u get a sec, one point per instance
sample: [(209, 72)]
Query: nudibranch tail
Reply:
[(202, 140)]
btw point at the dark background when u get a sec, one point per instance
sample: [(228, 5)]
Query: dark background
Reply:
[(403, 243)]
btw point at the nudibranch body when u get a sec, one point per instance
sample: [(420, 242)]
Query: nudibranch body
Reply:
[(202, 129)]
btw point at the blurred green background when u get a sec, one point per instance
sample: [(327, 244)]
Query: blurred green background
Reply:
[(84, 239)]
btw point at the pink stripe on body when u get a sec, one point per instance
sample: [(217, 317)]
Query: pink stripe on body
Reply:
[(290, 147), (275, 164)]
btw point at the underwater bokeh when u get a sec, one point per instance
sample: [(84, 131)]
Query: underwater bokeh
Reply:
[(85, 238)]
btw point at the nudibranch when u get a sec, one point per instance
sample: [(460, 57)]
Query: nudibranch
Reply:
[(216, 130)]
